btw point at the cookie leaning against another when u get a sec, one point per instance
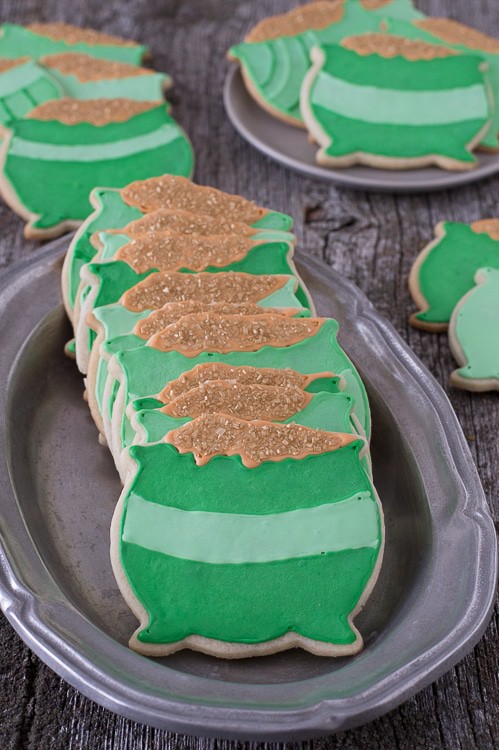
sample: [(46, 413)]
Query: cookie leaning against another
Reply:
[(474, 334), (444, 270), (275, 54), (38, 39), (394, 103), (53, 158)]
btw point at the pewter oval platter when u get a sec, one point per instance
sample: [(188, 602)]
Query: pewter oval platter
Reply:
[(290, 146), (430, 606)]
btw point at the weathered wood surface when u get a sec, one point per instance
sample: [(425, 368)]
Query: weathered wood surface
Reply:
[(372, 240)]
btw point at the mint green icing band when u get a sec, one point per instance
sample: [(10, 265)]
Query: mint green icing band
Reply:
[(382, 105), (146, 88), (233, 538), (23, 88), (90, 153)]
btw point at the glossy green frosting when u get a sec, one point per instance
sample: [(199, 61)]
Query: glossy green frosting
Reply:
[(396, 108), (277, 67), (16, 41), (490, 139), (447, 270), (71, 160), (23, 88), (475, 327), (312, 594)]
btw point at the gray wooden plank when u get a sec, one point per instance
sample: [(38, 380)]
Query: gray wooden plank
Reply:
[(371, 239)]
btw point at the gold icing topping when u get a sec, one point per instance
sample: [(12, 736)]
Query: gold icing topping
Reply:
[(184, 222), (87, 68), (257, 441), (171, 191), (6, 64), (315, 15), (171, 252), (242, 375), (65, 32), (159, 288), (209, 332), (94, 111), (159, 319), (487, 226), (453, 32), (374, 4), (243, 401), (387, 45)]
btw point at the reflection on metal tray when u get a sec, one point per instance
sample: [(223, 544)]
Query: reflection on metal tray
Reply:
[(290, 146), (58, 591)]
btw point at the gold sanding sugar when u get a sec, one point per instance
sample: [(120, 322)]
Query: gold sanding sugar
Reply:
[(244, 401), (94, 111), (159, 288), (316, 15), (87, 68), (374, 4), (242, 374), (172, 311), (487, 226), (386, 45), (9, 64), (184, 222), (258, 441), (172, 191), (171, 252), (65, 32), (209, 332), (453, 32)]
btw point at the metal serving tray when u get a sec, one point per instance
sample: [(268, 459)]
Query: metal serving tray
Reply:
[(430, 605)]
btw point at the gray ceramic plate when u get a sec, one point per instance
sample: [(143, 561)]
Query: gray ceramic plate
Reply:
[(290, 146), (430, 605)]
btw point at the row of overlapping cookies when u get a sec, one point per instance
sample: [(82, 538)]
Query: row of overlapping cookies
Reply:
[(248, 522), (77, 110), (455, 283), (376, 82)]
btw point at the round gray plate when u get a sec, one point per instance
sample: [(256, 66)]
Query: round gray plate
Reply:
[(429, 607), (290, 146)]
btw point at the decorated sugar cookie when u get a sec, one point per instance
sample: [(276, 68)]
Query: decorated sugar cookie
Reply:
[(23, 86), (38, 39), (466, 39), (116, 209), (143, 372), (316, 557), (275, 55), (103, 283), (52, 159), (85, 77), (395, 103), (474, 334), (444, 271)]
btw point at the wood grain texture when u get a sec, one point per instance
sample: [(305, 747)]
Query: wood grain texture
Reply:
[(371, 239)]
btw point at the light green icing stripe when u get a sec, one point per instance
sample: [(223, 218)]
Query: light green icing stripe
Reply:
[(19, 77), (396, 107), (146, 88), (233, 538), (87, 153)]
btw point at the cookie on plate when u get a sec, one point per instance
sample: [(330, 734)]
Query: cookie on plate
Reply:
[(444, 270), (474, 334), (275, 54), (52, 159), (465, 39), (395, 103)]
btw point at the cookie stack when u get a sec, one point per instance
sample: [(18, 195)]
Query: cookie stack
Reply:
[(455, 284), (377, 83), (77, 111), (248, 521)]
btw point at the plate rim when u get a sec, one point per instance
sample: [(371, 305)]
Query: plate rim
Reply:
[(234, 86), (30, 617)]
